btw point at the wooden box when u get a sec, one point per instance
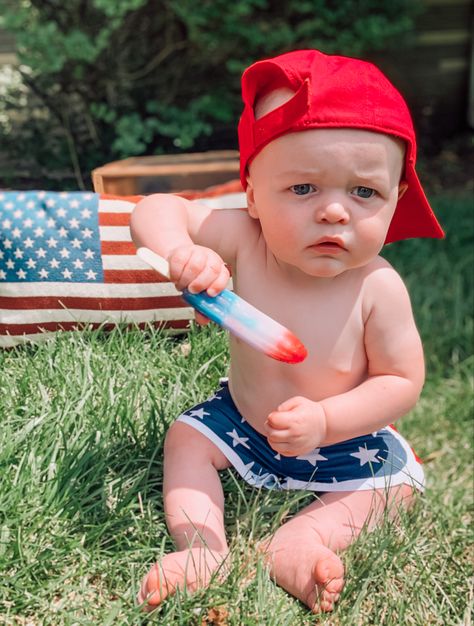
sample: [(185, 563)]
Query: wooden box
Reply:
[(166, 173)]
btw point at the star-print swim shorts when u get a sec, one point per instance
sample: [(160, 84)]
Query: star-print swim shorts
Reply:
[(379, 460)]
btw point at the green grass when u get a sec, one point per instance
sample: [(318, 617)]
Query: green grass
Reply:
[(82, 421)]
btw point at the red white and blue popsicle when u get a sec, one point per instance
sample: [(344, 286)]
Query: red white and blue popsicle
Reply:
[(238, 317)]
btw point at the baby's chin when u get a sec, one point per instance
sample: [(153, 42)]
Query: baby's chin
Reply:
[(325, 268), (305, 271), (330, 267)]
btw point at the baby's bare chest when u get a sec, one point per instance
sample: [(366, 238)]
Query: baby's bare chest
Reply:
[(327, 317), (328, 310)]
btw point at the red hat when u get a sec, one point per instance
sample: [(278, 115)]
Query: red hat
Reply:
[(335, 92)]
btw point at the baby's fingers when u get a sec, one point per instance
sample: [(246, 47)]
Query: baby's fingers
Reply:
[(197, 269), (286, 448), (186, 264), (213, 278), (220, 283), (278, 436), (278, 420), (291, 404)]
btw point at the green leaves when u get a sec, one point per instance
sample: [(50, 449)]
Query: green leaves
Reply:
[(106, 79), (118, 8)]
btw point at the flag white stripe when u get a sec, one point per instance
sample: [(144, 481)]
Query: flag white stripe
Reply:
[(237, 200), (124, 262), (226, 201), (8, 341), (86, 290), (43, 316), (115, 206), (90, 290), (115, 233)]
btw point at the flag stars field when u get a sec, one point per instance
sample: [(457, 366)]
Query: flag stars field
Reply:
[(38, 236)]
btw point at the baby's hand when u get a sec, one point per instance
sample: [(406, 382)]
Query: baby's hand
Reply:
[(197, 268), (296, 427)]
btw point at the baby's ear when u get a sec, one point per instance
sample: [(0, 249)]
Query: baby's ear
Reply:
[(402, 187), (251, 207)]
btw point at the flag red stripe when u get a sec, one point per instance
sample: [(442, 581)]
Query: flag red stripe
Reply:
[(118, 247), (93, 304), (114, 219), (31, 329), (131, 276)]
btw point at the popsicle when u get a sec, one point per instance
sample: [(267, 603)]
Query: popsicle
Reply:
[(238, 317)]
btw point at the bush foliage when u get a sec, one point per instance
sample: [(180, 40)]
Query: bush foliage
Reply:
[(107, 79)]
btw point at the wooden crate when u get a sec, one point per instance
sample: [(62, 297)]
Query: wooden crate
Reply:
[(166, 173)]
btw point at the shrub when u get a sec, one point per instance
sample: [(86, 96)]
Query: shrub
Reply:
[(106, 79)]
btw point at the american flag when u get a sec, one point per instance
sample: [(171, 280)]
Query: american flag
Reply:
[(67, 260)]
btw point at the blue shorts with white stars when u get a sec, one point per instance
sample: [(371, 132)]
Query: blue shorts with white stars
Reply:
[(376, 461)]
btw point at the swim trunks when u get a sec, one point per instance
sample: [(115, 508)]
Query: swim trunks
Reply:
[(379, 460)]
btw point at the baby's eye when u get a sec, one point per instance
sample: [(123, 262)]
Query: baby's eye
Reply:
[(364, 192), (302, 189)]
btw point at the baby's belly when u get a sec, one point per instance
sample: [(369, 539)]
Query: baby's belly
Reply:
[(258, 384)]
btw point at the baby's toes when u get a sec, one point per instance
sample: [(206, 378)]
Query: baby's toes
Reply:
[(328, 575), (151, 590), (325, 602)]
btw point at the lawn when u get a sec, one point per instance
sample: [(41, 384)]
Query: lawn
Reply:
[(82, 422)]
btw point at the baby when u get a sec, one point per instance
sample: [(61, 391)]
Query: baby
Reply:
[(327, 152)]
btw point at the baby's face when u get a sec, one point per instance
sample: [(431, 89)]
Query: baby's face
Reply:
[(325, 197)]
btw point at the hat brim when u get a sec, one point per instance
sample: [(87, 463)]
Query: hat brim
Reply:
[(413, 216)]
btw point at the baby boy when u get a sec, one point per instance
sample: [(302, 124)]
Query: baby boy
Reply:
[(328, 153)]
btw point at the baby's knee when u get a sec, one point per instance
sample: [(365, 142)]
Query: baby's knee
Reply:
[(174, 436), (401, 498), (180, 437), (185, 442)]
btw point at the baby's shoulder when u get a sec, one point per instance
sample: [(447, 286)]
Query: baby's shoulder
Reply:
[(381, 283), (378, 272), (228, 231)]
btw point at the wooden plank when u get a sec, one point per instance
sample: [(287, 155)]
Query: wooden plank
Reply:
[(422, 59), (8, 58), (447, 3), (443, 37), (455, 64), (117, 170), (137, 169), (149, 174), (444, 18), (7, 41)]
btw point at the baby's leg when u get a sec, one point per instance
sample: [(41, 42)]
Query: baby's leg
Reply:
[(194, 509), (303, 552)]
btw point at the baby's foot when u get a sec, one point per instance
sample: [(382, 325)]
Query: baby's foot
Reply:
[(191, 569), (312, 573)]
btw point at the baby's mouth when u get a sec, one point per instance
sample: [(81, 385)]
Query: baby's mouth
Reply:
[(329, 245)]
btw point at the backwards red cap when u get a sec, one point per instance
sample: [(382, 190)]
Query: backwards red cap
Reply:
[(335, 92)]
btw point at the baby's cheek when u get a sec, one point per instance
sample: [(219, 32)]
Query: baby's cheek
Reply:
[(372, 234), (279, 241)]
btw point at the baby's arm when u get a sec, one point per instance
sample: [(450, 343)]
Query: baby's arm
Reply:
[(396, 370), (394, 379), (196, 240)]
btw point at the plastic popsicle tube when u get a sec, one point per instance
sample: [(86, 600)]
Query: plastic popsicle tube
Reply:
[(238, 317)]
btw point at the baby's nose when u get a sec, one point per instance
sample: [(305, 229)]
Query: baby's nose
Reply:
[(333, 212)]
